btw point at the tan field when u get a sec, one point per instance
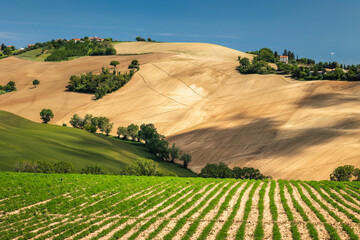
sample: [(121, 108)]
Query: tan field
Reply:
[(193, 94)]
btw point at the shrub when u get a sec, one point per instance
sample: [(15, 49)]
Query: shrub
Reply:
[(45, 167), (134, 64), (247, 173), (142, 167), (342, 173), (46, 115), (216, 170), (98, 170)]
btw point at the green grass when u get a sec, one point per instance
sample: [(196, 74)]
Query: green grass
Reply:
[(58, 206), (22, 139), (33, 55)]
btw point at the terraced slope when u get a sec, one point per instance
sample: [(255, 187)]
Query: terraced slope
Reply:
[(41, 206), (193, 94)]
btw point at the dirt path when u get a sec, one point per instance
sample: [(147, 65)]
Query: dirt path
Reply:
[(239, 215)]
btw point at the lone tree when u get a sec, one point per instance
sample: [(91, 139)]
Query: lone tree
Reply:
[(342, 173), (133, 131), (186, 158), (108, 128), (36, 82), (46, 115), (114, 63), (174, 152)]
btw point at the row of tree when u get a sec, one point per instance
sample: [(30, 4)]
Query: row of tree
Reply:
[(257, 65), (101, 84), (92, 124), (80, 48), (140, 39), (345, 173), (221, 170)]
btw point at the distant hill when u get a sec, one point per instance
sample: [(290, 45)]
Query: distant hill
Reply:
[(22, 139), (194, 96)]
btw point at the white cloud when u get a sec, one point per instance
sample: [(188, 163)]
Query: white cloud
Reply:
[(9, 35), (332, 53)]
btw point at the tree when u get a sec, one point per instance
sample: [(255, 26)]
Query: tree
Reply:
[(76, 121), (36, 82), (46, 115), (10, 86), (244, 62), (247, 173), (150, 40), (102, 123), (133, 131), (148, 132), (7, 51), (186, 158), (134, 64), (114, 63), (108, 128), (122, 131), (174, 152), (267, 55), (342, 173), (214, 170), (142, 167)]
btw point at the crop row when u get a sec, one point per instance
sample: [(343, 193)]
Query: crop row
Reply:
[(42, 206)]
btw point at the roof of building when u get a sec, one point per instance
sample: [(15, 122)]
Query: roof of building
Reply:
[(284, 56)]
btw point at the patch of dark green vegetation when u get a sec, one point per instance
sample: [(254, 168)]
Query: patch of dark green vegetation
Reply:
[(221, 170), (299, 68), (9, 87), (101, 84)]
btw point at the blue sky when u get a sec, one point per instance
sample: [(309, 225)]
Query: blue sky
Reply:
[(313, 29)]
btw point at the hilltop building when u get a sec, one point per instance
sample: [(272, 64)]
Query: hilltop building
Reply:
[(284, 59)]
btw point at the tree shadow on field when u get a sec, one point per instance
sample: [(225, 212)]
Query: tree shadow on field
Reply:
[(261, 138), (326, 100)]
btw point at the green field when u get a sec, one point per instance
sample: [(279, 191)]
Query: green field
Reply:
[(32, 55), (22, 139), (72, 206)]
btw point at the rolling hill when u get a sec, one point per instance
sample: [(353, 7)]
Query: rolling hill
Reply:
[(193, 94), (22, 139)]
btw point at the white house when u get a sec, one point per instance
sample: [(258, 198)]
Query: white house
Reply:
[(284, 59)]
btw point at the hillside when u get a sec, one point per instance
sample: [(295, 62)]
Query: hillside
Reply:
[(22, 139), (193, 94), (71, 206)]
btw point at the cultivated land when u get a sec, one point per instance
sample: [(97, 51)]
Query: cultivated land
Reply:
[(193, 94), (70, 206), (22, 139)]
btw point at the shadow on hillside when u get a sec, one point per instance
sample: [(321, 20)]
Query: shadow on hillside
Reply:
[(326, 100), (260, 138)]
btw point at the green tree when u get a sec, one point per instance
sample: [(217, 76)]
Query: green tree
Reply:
[(174, 152), (46, 115), (114, 63), (122, 131), (148, 132), (133, 131), (7, 51), (186, 158), (267, 55), (108, 128), (342, 173), (356, 174), (142, 167), (216, 170), (36, 82), (244, 62), (76, 121), (102, 123)]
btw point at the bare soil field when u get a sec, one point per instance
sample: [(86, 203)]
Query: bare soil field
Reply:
[(194, 95)]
